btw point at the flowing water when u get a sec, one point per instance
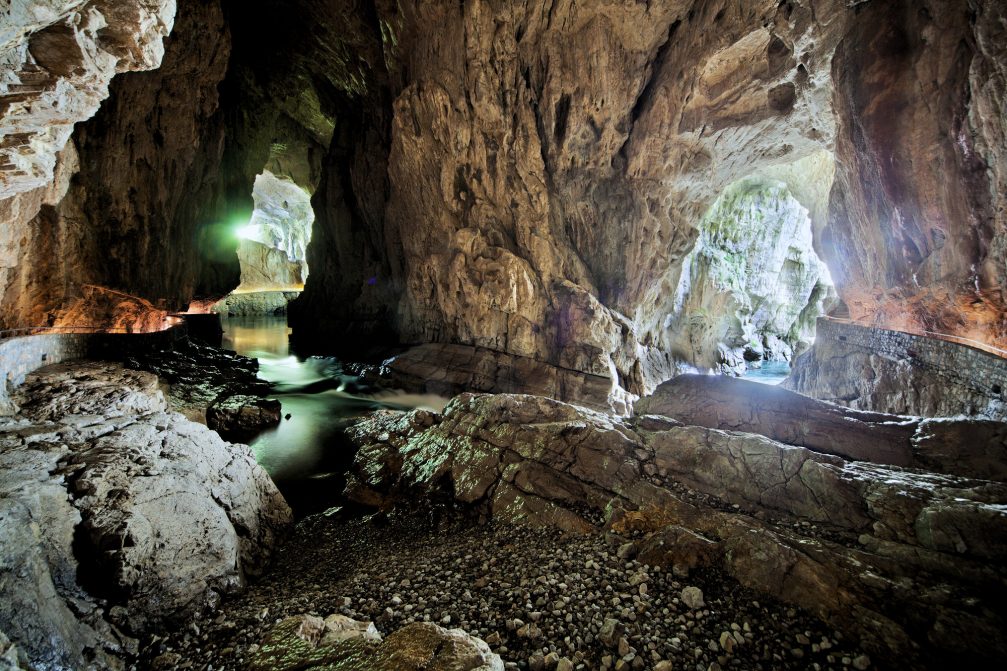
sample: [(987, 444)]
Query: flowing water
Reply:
[(771, 372), (306, 454)]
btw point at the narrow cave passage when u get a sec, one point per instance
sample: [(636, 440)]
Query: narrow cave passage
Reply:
[(273, 245)]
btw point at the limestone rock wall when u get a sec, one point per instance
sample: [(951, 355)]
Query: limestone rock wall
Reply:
[(915, 238), (888, 371), (546, 165), (147, 175), (753, 286), (57, 58)]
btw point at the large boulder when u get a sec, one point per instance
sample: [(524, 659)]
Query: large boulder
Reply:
[(722, 402), (108, 498), (955, 446)]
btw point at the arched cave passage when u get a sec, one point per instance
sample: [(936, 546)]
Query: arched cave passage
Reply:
[(753, 287)]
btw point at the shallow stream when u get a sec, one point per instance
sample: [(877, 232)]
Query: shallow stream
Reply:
[(771, 372), (306, 454)]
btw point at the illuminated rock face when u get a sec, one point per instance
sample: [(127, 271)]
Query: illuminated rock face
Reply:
[(57, 58), (753, 286), (274, 243), (616, 129), (531, 182), (147, 166)]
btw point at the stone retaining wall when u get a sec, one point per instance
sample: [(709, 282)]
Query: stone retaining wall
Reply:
[(888, 371), (23, 355), (959, 363)]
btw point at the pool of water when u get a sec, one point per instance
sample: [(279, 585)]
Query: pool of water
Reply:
[(771, 372), (306, 454)]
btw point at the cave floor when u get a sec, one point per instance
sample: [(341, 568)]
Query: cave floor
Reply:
[(492, 580)]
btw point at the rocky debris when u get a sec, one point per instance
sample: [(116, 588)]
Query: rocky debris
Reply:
[(859, 544), (448, 370), (339, 643), (118, 516), (240, 418), (255, 303), (495, 581), (954, 446)]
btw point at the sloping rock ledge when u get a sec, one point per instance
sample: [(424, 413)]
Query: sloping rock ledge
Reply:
[(906, 560)]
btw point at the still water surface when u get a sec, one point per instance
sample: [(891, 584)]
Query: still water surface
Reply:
[(306, 454)]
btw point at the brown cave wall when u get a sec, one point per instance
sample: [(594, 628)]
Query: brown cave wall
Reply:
[(147, 179), (544, 165), (915, 238)]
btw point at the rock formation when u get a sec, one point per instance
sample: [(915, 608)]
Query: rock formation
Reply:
[(119, 516), (265, 268), (882, 370), (886, 542), (551, 222), (282, 222), (753, 287), (955, 446), (341, 644), (56, 61)]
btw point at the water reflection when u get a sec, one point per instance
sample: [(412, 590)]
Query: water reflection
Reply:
[(306, 454)]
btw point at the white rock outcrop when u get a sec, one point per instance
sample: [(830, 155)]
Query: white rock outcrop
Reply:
[(117, 515)]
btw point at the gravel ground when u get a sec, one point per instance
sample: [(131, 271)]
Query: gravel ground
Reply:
[(527, 592)]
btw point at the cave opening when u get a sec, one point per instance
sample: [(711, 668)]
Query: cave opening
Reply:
[(545, 241), (753, 286), (272, 248)]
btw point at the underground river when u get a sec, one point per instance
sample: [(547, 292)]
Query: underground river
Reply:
[(305, 454)]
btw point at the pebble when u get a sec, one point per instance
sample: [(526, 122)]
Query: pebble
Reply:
[(542, 600)]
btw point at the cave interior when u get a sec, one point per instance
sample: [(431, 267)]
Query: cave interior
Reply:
[(503, 334)]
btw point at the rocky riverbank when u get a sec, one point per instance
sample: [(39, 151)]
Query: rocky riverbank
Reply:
[(541, 598)]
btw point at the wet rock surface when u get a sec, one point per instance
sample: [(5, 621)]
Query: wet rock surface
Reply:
[(239, 418), (875, 550), (118, 516), (199, 376), (541, 599)]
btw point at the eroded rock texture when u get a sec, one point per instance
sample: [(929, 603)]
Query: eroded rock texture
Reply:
[(916, 228), (538, 176), (753, 287), (341, 644), (117, 516), (887, 546), (550, 221), (57, 58), (147, 172)]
